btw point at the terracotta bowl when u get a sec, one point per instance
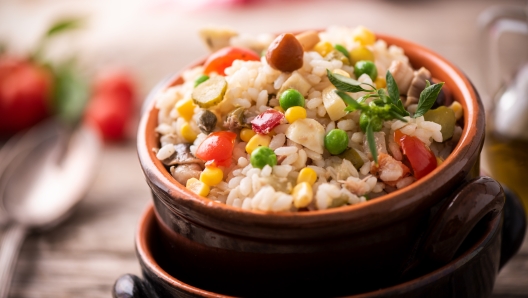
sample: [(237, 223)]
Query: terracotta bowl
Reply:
[(368, 243), (471, 273)]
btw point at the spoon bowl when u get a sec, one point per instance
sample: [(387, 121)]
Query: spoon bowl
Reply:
[(46, 172)]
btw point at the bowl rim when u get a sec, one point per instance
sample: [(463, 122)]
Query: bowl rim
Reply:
[(401, 203), (148, 220)]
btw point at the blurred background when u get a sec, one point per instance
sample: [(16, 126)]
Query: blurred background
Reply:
[(146, 40)]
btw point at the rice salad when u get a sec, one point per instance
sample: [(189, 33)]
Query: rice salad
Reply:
[(304, 122)]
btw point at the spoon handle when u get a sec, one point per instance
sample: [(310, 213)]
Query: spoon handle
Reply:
[(9, 249)]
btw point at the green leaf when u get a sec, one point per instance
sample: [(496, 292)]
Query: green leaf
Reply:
[(395, 114), (55, 29), (392, 88), (378, 102), (343, 50), (63, 25), (345, 83), (427, 98), (394, 93), (398, 107), (372, 142), (349, 100), (363, 98), (71, 94), (401, 108), (350, 109), (381, 93)]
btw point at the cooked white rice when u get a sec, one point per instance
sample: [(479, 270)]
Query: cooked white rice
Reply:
[(338, 181)]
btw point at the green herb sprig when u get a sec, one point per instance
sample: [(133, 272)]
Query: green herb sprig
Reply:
[(386, 104)]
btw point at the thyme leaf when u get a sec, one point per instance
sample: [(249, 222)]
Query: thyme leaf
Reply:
[(427, 98), (345, 83)]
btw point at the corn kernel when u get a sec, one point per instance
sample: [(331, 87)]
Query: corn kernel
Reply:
[(279, 108), (361, 53), (439, 161), (295, 113), (187, 132), (256, 141), (302, 194), (323, 48), (345, 60), (364, 36), (380, 82), (185, 108), (341, 72), (198, 187), (246, 134), (307, 175), (211, 176), (457, 108)]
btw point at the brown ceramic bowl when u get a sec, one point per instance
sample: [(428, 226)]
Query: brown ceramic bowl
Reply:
[(471, 273), (368, 243)]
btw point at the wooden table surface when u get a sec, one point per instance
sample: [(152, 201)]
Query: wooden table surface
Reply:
[(84, 255)]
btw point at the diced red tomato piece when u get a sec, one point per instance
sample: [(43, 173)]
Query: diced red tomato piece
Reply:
[(217, 148), (422, 159), (223, 58), (265, 122)]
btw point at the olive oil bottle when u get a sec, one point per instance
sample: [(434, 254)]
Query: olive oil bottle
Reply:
[(507, 160)]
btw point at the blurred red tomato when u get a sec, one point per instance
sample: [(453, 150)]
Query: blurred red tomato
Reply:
[(115, 81), (110, 109), (25, 94), (107, 113)]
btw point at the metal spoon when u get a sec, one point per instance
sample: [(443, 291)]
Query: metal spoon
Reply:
[(48, 170)]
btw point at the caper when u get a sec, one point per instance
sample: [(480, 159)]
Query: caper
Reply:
[(207, 121)]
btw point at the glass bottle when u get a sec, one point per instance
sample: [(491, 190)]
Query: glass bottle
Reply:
[(505, 153)]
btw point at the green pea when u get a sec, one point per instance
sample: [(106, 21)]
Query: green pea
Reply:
[(263, 156), (200, 80), (365, 66), (291, 98), (376, 122), (343, 50), (336, 141)]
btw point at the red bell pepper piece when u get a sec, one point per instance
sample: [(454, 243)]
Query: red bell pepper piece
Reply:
[(265, 122)]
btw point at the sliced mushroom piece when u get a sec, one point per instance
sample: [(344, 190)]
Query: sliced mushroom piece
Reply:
[(403, 75), (182, 155), (417, 85), (285, 53), (237, 119), (216, 38), (184, 172)]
